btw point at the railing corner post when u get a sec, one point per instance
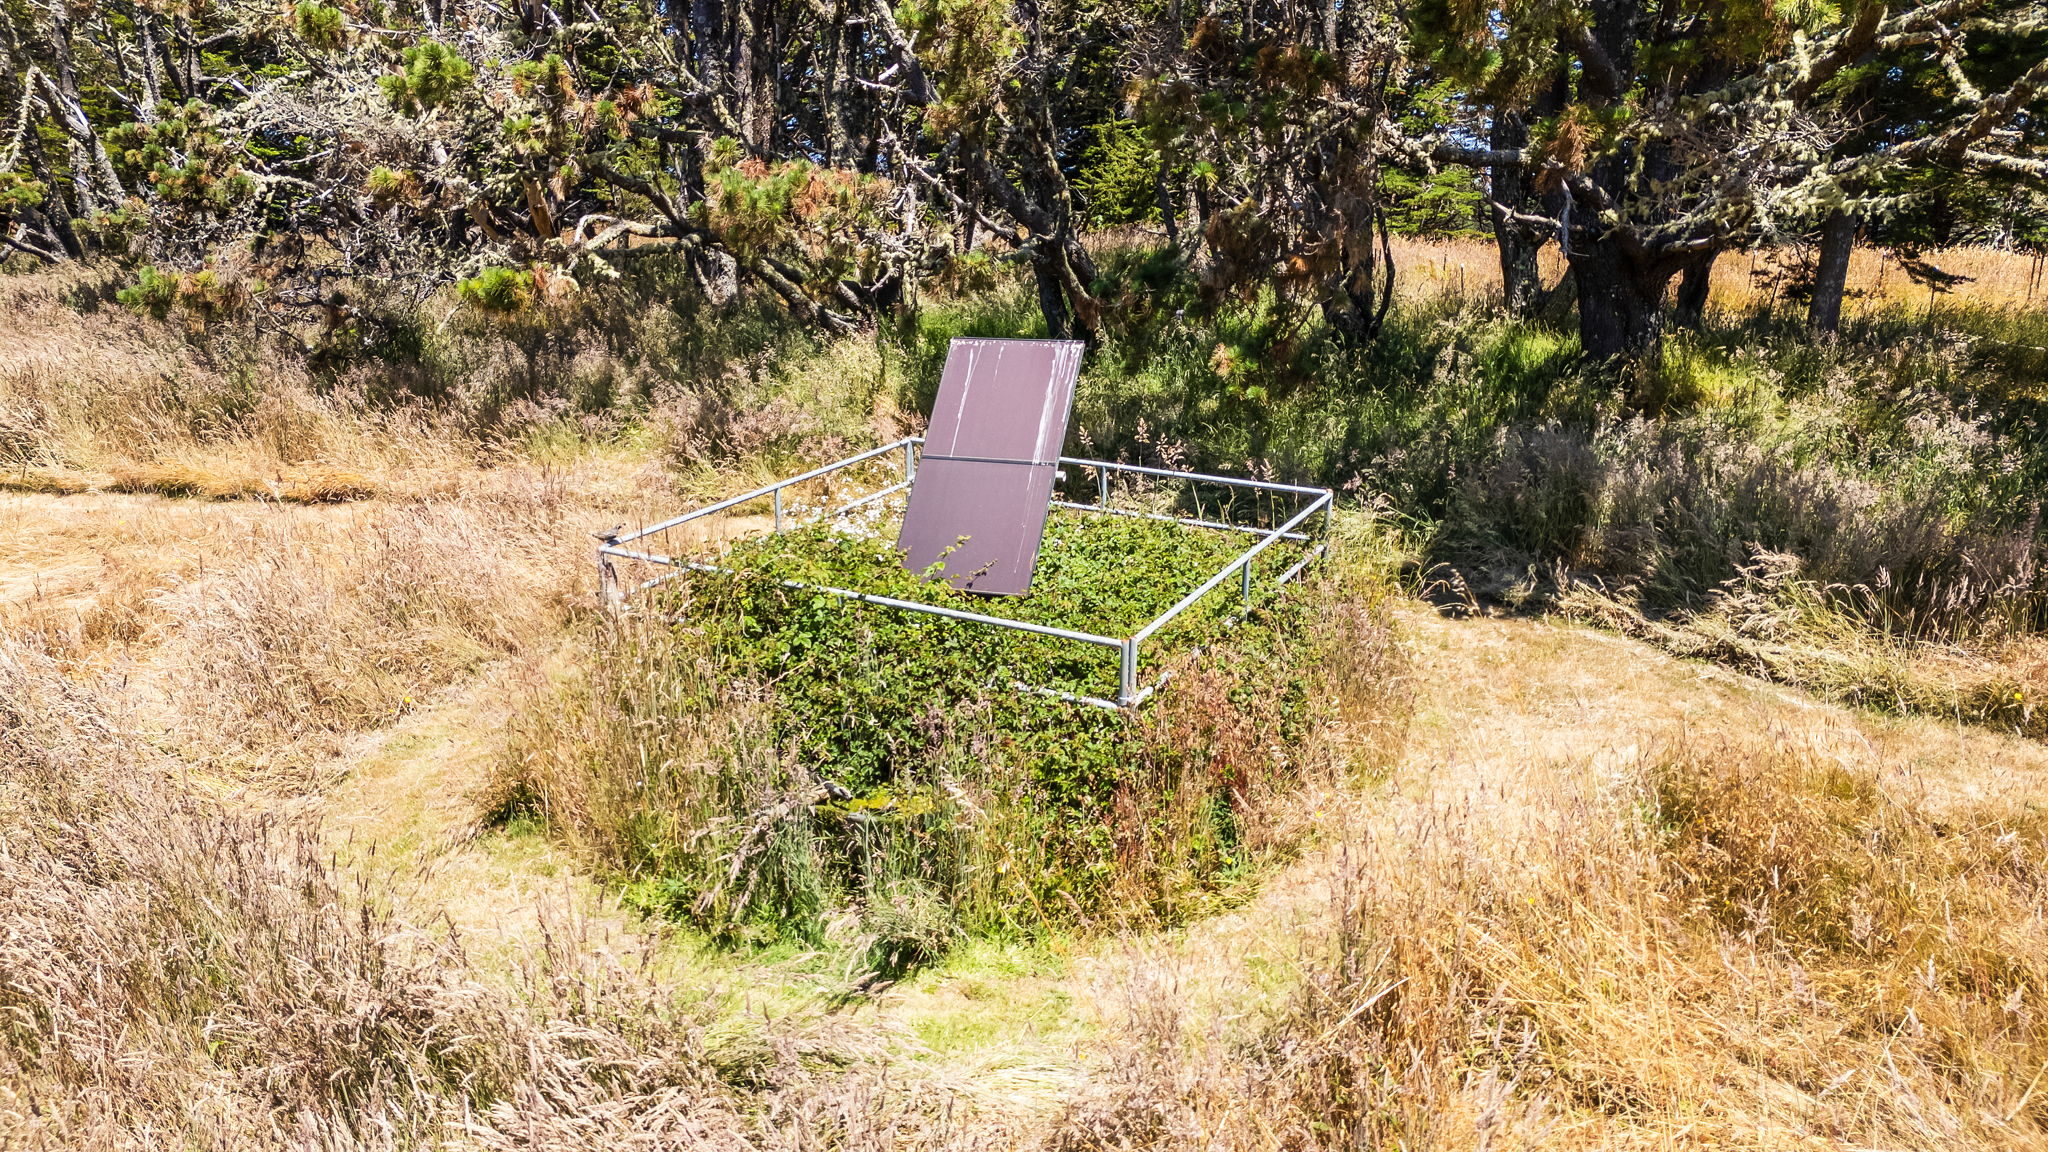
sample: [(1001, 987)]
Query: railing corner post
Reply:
[(1127, 673), (609, 596)]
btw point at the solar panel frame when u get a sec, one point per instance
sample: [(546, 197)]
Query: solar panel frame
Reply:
[(983, 490)]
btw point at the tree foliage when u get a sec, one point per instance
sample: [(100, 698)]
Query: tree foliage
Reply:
[(1651, 136), (832, 155)]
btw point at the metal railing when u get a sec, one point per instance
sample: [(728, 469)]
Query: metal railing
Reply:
[(1296, 528)]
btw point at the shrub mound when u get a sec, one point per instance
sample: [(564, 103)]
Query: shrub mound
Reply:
[(777, 764)]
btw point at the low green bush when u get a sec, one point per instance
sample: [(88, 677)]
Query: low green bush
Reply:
[(774, 764), (1016, 809)]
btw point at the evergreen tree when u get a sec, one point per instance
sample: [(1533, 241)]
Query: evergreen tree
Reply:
[(1682, 129)]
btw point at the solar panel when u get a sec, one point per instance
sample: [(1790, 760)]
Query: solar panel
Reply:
[(984, 480)]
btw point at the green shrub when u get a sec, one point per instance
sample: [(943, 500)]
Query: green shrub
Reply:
[(153, 292), (18, 192), (319, 25), (204, 296), (1119, 173), (759, 760), (1903, 460)]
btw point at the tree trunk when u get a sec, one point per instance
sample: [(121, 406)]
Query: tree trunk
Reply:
[(537, 209), (1052, 301), (1358, 304), (187, 43), (1557, 306), (12, 92), (1620, 298), (835, 90), (54, 208), (754, 75), (1831, 273), (149, 66), (1163, 196), (1036, 192), (710, 47), (717, 273), (170, 73), (96, 183), (1520, 279), (1350, 310), (1691, 309)]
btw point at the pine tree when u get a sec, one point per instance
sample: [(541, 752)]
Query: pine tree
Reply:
[(1682, 130)]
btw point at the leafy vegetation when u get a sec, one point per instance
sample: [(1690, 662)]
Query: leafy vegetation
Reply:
[(415, 296), (839, 161), (818, 754)]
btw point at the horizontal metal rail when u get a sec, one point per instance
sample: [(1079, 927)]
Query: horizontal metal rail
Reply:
[(1198, 477), (933, 609), (1190, 521), (664, 578), (1229, 570), (766, 490), (891, 490), (629, 554), (1069, 697), (1314, 554), (1129, 648)]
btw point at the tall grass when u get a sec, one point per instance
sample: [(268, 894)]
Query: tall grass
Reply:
[(1713, 946), (1901, 465), (176, 970), (404, 403), (1732, 945), (1904, 458), (1999, 279), (313, 633), (1770, 620), (260, 639)]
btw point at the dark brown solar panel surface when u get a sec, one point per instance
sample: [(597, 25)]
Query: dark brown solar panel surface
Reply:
[(985, 478)]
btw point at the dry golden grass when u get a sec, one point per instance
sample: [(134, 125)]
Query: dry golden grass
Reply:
[(102, 400), (1746, 280), (1771, 622), (259, 637), (305, 635), (298, 485), (1878, 279), (1613, 900), (145, 533), (199, 621), (179, 971)]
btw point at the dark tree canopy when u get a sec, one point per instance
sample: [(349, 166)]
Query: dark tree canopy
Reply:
[(1647, 137), (833, 154)]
